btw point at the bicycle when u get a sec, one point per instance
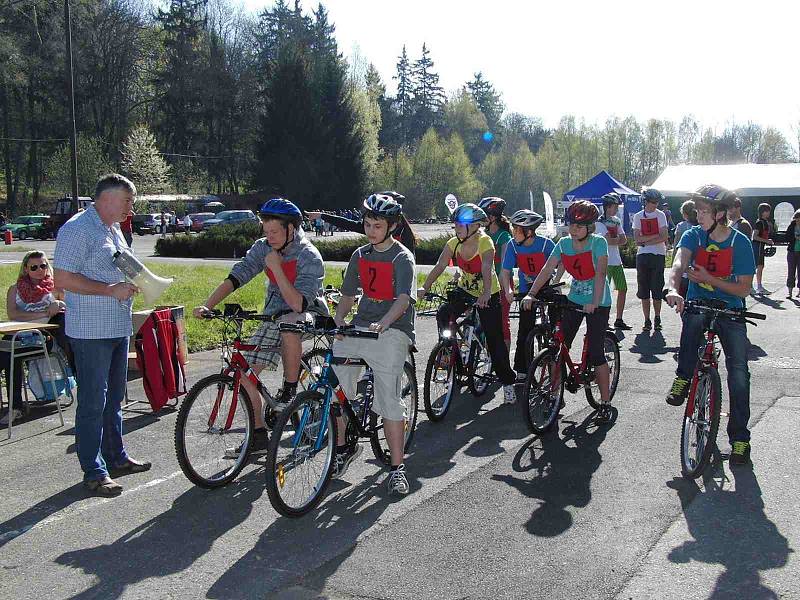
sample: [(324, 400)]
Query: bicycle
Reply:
[(460, 354), (703, 405), (302, 448), (541, 334), (553, 370), (213, 418)]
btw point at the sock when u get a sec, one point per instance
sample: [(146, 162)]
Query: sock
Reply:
[(260, 430), (395, 467)]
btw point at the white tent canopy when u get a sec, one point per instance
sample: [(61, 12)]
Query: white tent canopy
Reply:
[(746, 180)]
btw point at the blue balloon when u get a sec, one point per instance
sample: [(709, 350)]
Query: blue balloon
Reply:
[(488, 136)]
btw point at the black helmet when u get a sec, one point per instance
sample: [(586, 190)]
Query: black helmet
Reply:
[(652, 195), (611, 198), (396, 195), (383, 205), (527, 218), (492, 205)]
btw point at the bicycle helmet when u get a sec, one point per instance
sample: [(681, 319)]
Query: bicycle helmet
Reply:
[(383, 206), (652, 195), (468, 213), (583, 212), (527, 218), (281, 208), (492, 205), (714, 195), (611, 198), (396, 195)]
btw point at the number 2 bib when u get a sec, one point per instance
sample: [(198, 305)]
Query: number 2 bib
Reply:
[(289, 269), (377, 279), (649, 225), (531, 264), (580, 266)]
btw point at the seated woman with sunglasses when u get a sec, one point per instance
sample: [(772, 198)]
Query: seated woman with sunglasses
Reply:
[(33, 299)]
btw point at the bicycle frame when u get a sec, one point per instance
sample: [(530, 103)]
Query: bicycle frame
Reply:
[(577, 371), (708, 359)]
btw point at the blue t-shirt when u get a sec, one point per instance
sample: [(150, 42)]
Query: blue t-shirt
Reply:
[(582, 291), (742, 262), (540, 245)]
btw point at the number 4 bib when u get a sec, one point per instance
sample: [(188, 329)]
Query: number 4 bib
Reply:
[(580, 266), (377, 279)]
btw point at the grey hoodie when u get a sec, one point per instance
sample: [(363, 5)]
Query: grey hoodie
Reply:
[(301, 259)]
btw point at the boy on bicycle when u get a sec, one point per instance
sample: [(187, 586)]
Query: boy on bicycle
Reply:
[(585, 257), (295, 272), (528, 253), (720, 265), (384, 270)]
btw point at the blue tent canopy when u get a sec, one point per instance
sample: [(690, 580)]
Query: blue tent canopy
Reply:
[(602, 184)]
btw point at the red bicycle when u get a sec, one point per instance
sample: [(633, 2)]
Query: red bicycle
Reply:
[(216, 414), (553, 369)]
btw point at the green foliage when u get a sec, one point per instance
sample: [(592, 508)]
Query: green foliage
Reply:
[(222, 241), (510, 173), (463, 117), (92, 163), (142, 162), (488, 100)]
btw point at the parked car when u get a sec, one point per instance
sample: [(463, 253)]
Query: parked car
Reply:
[(62, 212), (27, 226), (231, 217), (144, 223), (199, 218)]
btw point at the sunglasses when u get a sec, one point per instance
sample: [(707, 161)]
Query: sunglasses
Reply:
[(42, 266)]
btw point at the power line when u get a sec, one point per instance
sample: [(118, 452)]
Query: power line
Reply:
[(8, 139)]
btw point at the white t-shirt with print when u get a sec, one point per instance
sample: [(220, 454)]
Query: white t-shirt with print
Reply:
[(602, 228), (660, 248)]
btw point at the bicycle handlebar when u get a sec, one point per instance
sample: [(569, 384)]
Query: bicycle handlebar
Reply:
[(344, 330), (711, 306), (234, 312)]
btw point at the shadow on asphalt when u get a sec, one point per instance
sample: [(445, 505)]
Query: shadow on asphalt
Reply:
[(731, 530), (767, 301), (129, 425), (23, 522), (651, 347), (560, 474)]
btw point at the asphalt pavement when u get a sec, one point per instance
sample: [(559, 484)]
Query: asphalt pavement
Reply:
[(588, 512)]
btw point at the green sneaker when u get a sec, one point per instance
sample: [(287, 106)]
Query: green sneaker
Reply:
[(740, 454), (680, 389)]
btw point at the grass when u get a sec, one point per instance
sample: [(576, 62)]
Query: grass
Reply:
[(20, 249)]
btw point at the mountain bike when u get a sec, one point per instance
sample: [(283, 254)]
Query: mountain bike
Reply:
[(302, 448), (216, 414), (460, 356), (541, 334), (703, 405), (553, 370)]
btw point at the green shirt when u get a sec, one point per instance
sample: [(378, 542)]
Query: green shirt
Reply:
[(501, 238)]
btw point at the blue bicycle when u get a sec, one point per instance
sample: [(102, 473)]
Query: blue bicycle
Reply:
[(302, 446)]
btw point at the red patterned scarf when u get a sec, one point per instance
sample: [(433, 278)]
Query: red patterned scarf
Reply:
[(33, 291)]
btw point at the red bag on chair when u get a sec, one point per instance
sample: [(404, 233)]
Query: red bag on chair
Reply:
[(157, 359)]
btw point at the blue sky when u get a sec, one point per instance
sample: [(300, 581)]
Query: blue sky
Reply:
[(720, 61)]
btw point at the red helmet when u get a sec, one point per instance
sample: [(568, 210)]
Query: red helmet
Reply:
[(582, 212)]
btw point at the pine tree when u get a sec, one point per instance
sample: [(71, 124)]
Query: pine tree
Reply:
[(428, 95), (487, 99), (142, 162), (403, 99)]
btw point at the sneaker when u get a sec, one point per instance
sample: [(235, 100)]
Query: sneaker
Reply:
[(647, 325), (657, 324), (740, 454), (397, 482), (621, 325), (344, 460), (680, 389), (509, 394), (259, 446), (762, 290), (284, 397), (604, 413), (521, 377)]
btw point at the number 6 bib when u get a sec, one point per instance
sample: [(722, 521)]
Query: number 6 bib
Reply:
[(377, 279)]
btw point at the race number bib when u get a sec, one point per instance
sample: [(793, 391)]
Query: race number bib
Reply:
[(580, 266), (531, 264), (649, 226), (289, 269), (377, 279), (718, 263), (613, 232), (472, 266)]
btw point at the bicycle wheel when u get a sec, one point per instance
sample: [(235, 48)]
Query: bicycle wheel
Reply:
[(202, 436), (314, 359), (543, 391), (611, 350), (479, 367), (300, 458), (440, 382), (701, 423), (409, 394), (533, 344)]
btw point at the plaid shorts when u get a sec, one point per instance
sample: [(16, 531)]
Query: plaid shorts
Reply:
[(268, 339)]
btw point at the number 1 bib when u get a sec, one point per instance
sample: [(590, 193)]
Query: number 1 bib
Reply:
[(649, 225), (377, 279), (580, 266)]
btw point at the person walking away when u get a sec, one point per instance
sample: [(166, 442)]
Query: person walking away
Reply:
[(473, 252), (499, 230), (689, 214), (585, 257), (761, 239), (98, 323), (610, 227), (384, 270), (528, 253), (720, 264), (793, 255), (650, 232)]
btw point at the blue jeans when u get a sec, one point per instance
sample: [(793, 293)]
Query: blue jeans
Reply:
[(733, 337), (102, 372)]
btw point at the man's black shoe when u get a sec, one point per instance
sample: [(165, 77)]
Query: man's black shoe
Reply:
[(657, 323), (647, 325), (680, 389), (621, 325)]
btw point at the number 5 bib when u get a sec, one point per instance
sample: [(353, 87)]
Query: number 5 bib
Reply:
[(580, 266), (718, 263), (377, 279)]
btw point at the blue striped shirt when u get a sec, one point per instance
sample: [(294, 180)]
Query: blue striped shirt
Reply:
[(86, 246)]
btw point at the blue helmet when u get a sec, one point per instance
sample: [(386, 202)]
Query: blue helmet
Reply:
[(282, 208), (469, 213)]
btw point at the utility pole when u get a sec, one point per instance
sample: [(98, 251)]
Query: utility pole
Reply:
[(71, 99)]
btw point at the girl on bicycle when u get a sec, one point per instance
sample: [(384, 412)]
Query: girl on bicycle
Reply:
[(720, 265), (499, 229), (384, 270), (585, 257), (473, 252), (528, 253)]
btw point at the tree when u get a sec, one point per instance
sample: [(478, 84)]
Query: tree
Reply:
[(463, 117), (529, 129), (93, 162), (510, 172), (488, 100), (142, 162), (428, 95), (403, 99)]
